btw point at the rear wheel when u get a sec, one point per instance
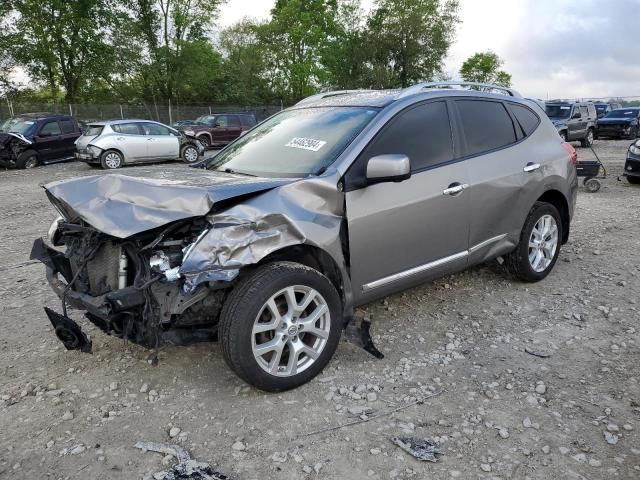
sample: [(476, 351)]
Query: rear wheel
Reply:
[(539, 246), (111, 160), (563, 136), (28, 159), (633, 180), (633, 133), (205, 141), (280, 326), (587, 141)]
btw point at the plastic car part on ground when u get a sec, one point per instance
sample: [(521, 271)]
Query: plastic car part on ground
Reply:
[(186, 468), (424, 450)]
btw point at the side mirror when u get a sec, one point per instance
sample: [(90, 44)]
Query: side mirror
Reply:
[(388, 168)]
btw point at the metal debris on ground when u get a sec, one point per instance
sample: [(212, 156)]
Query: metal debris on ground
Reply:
[(424, 450), (537, 353), (186, 468)]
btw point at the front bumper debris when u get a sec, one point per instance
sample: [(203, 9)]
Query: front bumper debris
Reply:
[(68, 332), (358, 333)]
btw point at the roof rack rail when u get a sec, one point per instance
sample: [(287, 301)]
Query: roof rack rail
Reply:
[(419, 87), (335, 93)]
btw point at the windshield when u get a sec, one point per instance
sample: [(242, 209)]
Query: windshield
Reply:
[(17, 125), (558, 111), (622, 113), (93, 130), (294, 143)]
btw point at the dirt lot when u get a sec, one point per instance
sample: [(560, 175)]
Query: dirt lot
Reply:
[(464, 344)]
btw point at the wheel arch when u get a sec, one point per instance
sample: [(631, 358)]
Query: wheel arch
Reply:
[(205, 134), (558, 200)]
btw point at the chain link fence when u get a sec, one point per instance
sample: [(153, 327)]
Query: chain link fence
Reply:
[(164, 113)]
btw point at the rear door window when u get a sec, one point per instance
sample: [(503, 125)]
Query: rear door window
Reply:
[(528, 120), (67, 126), (127, 128), (247, 121), (486, 124), (234, 121), (51, 128)]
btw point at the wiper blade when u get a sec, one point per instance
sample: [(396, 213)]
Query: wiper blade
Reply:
[(236, 172)]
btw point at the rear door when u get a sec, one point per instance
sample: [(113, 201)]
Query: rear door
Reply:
[(401, 234), (162, 143), (220, 131), (497, 158), (48, 141), (235, 128), (129, 138), (70, 134)]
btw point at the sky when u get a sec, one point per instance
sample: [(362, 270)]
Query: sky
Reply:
[(552, 48)]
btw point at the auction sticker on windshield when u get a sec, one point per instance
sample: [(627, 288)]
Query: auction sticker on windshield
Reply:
[(306, 144)]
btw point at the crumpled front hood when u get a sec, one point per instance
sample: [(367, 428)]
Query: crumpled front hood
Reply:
[(124, 205), (6, 138)]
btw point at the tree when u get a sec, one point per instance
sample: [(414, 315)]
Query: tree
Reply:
[(62, 43), (408, 40), (244, 65), (485, 68), (296, 42)]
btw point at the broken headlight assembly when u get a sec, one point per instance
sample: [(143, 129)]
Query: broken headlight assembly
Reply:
[(53, 234)]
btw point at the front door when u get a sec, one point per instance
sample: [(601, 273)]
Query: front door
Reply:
[(162, 144), (70, 134), (401, 234)]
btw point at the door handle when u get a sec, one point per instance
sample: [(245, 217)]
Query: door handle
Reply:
[(150, 139), (455, 188), (531, 167), (119, 138)]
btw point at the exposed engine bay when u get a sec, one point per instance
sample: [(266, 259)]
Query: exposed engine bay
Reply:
[(131, 288)]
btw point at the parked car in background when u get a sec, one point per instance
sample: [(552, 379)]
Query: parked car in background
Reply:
[(575, 121), (33, 139), (114, 144), (602, 108), (623, 122), (337, 202), (632, 165), (221, 128)]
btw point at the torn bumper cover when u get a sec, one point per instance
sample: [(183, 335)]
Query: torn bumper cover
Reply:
[(11, 146)]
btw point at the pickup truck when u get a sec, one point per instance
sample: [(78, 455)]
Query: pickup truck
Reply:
[(33, 139)]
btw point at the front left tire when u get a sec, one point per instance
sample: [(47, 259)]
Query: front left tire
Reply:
[(280, 326), (27, 160)]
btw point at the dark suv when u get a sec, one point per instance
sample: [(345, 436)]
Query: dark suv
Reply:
[(220, 128), (574, 120), (31, 139)]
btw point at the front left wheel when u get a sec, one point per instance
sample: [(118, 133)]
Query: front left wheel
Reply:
[(111, 160), (280, 326)]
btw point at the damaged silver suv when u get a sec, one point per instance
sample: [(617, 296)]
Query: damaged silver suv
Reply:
[(336, 202)]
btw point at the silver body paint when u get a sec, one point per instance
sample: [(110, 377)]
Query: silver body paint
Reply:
[(382, 238)]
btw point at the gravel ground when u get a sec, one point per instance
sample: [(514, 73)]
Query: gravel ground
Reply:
[(463, 367)]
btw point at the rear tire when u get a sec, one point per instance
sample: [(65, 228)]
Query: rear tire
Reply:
[(111, 159), (633, 134), (587, 141), (633, 180), (205, 141), (28, 159), (542, 247), (563, 136), (248, 321)]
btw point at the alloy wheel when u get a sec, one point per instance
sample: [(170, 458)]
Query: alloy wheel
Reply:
[(543, 243), (190, 154), (112, 160), (32, 162), (290, 331)]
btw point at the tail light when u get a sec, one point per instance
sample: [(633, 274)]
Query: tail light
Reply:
[(572, 152)]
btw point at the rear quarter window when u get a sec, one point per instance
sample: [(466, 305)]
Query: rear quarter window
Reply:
[(487, 125), (527, 120)]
